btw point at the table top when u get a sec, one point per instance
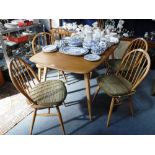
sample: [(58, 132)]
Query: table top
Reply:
[(74, 64)]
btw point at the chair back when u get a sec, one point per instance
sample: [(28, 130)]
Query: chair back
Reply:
[(134, 67), (100, 23), (22, 76), (138, 43), (59, 33), (41, 39)]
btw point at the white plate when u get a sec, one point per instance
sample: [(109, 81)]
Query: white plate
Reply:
[(92, 57), (77, 51), (49, 48)]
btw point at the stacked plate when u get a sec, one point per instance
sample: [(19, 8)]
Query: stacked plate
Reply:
[(49, 48), (76, 51), (74, 42)]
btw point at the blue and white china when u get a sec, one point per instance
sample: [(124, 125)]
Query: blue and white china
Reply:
[(61, 43), (74, 42), (92, 57), (49, 48), (95, 24), (76, 51), (97, 34), (114, 40)]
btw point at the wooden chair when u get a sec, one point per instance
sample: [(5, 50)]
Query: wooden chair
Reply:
[(40, 95), (100, 23), (133, 69), (42, 39), (57, 34), (113, 64)]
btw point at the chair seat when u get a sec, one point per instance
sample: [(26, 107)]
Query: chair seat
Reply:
[(113, 85), (50, 93)]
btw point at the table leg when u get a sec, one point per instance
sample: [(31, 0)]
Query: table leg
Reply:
[(87, 84)]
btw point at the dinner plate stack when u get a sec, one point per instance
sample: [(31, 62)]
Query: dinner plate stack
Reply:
[(49, 48), (75, 42), (76, 51)]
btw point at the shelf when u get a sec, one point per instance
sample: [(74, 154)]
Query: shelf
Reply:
[(19, 28)]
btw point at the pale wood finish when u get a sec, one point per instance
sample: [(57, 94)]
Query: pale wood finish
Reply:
[(33, 120), (39, 40), (138, 43), (100, 23), (72, 64), (24, 79), (60, 120), (75, 64), (59, 33), (110, 111), (138, 64), (87, 85)]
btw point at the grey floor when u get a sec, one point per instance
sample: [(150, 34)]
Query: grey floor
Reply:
[(75, 115)]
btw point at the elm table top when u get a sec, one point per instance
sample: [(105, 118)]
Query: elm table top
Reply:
[(74, 64)]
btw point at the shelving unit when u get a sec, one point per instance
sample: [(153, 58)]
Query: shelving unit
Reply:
[(6, 59)]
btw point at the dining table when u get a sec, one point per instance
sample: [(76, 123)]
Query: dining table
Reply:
[(74, 64)]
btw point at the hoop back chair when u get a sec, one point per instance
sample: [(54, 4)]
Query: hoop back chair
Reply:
[(100, 23), (39, 40), (134, 67), (39, 95), (139, 43), (59, 33)]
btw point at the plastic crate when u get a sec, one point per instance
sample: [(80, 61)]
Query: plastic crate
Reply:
[(18, 40)]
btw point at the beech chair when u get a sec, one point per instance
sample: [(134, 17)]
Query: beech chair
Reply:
[(39, 95), (57, 34), (113, 64), (100, 23), (133, 68), (42, 39)]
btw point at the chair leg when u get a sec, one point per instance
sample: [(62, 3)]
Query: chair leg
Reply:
[(130, 106), (48, 110), (110, 111), (63, 73), (33, 120), (45, 74), (39, 73), (60, 120), (91, 73), (96, 92), (108, 71)]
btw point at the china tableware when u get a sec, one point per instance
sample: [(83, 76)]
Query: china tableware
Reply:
[(76, 51), (92, 57), (49, 48)]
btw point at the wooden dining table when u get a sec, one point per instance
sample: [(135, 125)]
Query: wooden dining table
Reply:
[(73, 64)]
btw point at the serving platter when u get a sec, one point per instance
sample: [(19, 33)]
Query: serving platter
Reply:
[(76, 51)]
